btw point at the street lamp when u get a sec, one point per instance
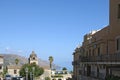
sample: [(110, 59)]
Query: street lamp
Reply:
[(26, 70), (33, 68), (30, 75)]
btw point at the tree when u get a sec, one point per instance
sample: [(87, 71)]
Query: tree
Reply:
[(4, 71), (36, 72), (50, 60), (64, 69), (112, 77), (16, 61), (47, 78)]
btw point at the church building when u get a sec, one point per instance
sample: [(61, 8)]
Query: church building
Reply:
[(33, 58)]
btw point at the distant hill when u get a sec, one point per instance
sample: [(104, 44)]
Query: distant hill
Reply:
[(9, 59)]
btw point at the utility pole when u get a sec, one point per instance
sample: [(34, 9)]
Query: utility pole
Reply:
[(26, 70), (33, 72)]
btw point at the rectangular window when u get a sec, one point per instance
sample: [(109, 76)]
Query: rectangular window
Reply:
[(118, 44), (90, 52), (15, 71), (119, 11), (87, 53), (0, 67), (79, 57), (93, 51), (80, 72), (98, 51)]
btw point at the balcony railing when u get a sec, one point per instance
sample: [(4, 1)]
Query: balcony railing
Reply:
[(75, 62), (102, 58)]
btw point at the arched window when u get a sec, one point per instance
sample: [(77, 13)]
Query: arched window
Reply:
[(33, 58)]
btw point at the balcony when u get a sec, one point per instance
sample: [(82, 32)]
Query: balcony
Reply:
[(102, 58), (75, 62)]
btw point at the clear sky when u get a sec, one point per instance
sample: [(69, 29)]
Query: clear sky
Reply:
[(49, 27)]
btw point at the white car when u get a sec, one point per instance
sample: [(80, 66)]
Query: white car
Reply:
[(8, 77)]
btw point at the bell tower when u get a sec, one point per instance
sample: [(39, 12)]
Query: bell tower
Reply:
[(33, 58)]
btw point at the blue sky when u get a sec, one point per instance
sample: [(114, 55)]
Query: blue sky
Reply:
[(49, 27)]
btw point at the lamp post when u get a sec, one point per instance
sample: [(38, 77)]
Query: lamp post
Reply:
[(26, 70), (33, 68), (30, 75)]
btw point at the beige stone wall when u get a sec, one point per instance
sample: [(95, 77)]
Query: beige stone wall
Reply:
[(1, 60), (34, 61), (76, 65), (105, 39), (97, 40), (11, 72), (47, 73), (114, 23), (75, 68), (11, 69), (1, 65)]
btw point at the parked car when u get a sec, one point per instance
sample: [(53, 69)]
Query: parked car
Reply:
[(21, 78), (17, 78), (8, 77)]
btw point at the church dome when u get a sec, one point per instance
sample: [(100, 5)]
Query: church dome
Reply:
[(33, 54)]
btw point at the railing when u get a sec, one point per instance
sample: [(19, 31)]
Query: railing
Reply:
[(74, 77), (102, 58), (76, 62)]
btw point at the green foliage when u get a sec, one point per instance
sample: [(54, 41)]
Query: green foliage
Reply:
[(112, 77), (50, 60), (16, 61), (57, 76), (37, 70), (4, 71), (47, 78), (64, 68)]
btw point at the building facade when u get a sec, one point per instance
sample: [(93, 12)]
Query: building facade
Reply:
[(33, 58), (13, 70), (99, 55), (1, 66), (76, 64), (60, 75)]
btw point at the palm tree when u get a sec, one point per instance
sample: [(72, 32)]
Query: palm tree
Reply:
[(64, 69), (16, 61), (50, 60)]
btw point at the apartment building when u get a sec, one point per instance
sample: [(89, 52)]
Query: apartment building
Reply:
[(99, 54), (77, 67), (1, 66)]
